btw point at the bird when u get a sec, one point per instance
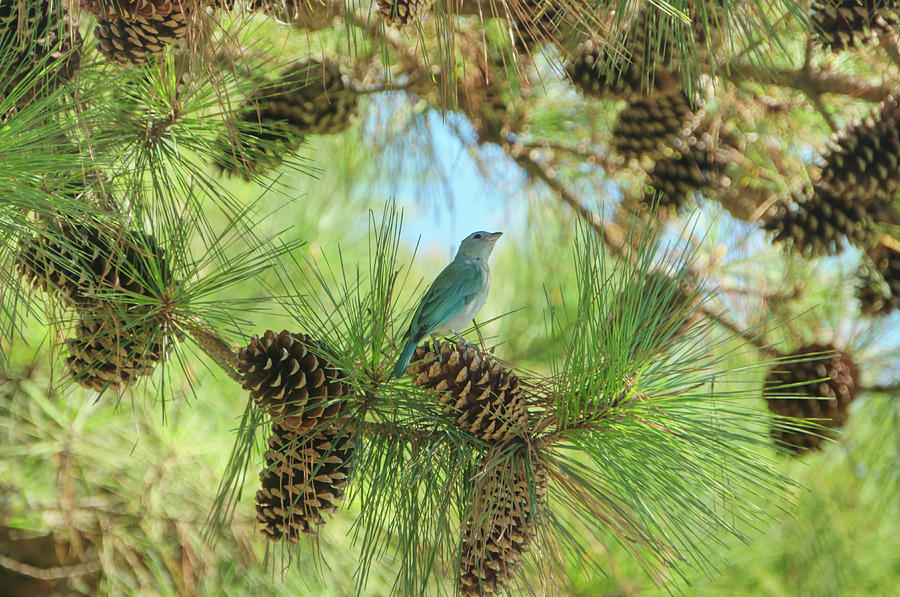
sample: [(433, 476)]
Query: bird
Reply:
[(455, 296)]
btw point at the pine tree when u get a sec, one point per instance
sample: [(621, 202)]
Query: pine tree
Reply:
[(621, 396)]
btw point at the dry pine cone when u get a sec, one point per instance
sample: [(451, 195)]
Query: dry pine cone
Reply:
[(286, 377), (821, 388), (81, 260), (864, 166), (500, 526), (138, 41), (649, 124), (840, 24), (45, 39), (483, 398), (398, 13), (818, 222), (310, 98), (879, 287), (107, 352), (304, 478)]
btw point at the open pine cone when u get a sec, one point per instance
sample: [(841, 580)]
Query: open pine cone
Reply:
[(80, 260), (642, 66), (821, 389), (818, 222), (693, 164), (651, 123), (36, 37), (131, 9), (840, 24), (483, 398), (305, 477), (398, 13), (500, 526), (286, 377), (138, 41), (864, 166), (310, 98), (879, 287), (107, 352)]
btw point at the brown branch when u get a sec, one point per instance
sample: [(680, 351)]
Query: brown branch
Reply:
[(812, 82), (615, 238), (224, 355), (612, 234), (55, 573)]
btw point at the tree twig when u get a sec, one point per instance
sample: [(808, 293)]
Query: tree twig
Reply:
[(811, 82), (615, 238), (55, 573), (224, 355), (612, 234)]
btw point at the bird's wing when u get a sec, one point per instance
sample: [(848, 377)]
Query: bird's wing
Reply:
[(453, 289)]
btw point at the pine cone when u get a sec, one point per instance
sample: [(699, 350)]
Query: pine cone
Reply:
[(536, 21), (397, 13), (303, 14), (649, 124), (309, 98), (587, 72), (500, 526), (694, 166), (139, 40), (797, 389), (818, 223), (642, 66), (879, 287), (285, 376), (304, 478), (79, 261), (483, 398), (45, 40), (840, 24), (108, 352), (131, 9), (864, 167)]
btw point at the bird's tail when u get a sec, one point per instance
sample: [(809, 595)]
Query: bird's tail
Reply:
[(405, 356)]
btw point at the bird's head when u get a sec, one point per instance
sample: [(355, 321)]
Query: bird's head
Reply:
[(478, 244)]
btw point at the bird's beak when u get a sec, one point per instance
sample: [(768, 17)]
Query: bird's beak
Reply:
[(493, 236)]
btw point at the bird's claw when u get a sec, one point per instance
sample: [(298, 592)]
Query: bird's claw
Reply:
[(466, 342)]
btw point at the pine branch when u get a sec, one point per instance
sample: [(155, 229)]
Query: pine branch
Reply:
[(616, 239), (53, 573), (813, 82), (612, 234), (223, 354)]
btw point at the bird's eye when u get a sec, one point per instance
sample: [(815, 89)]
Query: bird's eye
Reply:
[(477, 236)]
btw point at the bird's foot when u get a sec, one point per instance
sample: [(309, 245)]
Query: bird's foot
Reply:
[(437, 350), (466, 342)]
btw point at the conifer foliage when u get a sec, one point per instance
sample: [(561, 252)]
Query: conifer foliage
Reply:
[(472, 473)]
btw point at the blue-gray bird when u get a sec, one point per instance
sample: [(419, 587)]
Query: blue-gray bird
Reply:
[(455, 296)]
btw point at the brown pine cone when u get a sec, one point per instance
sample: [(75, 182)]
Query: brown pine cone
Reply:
[(287, 375), (80, 260), (820, 389), (40, 45), (108, 352), (500, 526), (305, 477), (483, 398)]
